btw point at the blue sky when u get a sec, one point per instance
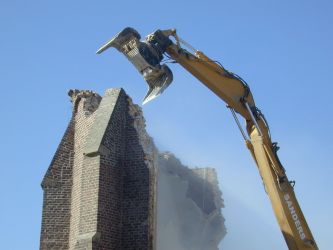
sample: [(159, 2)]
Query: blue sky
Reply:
[(283, 49)]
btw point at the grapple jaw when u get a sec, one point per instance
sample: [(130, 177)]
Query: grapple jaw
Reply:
[(146, 57)]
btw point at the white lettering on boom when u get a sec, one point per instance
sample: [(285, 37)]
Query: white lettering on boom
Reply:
[(294, 216)]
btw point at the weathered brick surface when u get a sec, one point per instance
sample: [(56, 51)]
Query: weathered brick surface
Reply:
[(57, 185), (85, 104), (111, 183), (98, 188), (136, 193)]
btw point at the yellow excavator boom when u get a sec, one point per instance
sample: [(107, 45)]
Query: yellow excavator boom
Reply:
[(233, 90)]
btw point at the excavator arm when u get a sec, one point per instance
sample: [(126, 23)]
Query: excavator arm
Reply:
[(233, 90)]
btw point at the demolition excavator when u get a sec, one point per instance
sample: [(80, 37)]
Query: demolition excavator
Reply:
[(147, 56)]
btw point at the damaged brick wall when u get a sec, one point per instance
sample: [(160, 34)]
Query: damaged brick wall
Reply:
[(108, 187), (97, 189)]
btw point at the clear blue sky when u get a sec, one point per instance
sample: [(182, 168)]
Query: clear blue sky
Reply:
[(282, 48)]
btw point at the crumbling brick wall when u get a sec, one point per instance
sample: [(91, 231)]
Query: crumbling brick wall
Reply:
[(100, 191), (97, 190)]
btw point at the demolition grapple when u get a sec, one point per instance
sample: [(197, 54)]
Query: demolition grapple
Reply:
[(146, 56)]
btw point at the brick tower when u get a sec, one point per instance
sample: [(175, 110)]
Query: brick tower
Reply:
[(99, 190)]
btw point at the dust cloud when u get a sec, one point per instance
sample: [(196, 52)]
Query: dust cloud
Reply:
[(188, 207)]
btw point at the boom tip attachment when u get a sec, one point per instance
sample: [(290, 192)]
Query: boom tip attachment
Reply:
[(146, 56)]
